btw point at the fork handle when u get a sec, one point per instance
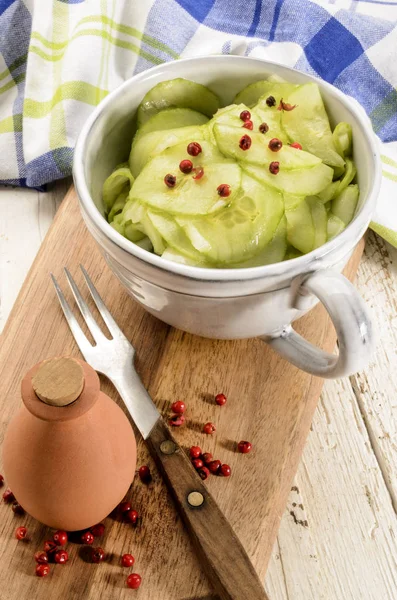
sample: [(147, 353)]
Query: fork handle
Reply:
[(228, 566)]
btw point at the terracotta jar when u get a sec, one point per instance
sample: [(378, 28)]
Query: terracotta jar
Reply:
[(69, 453)]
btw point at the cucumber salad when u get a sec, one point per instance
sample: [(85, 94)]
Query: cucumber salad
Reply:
[(257, 182)]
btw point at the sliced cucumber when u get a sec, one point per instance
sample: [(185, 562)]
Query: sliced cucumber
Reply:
[(343, 139), (150, 230), (302, 182), (178, 257), (120, 180), (329, 192), (300, 228), (308, 124), (147, 146), (274, 252), (228, 139), (292, 253), (251, 94), (132, 233), (240, 230), (118, 205), (349, 175), (335, 226), (320, 218), (172, 118), (231, 116), (174, 235), (345, 204), (189, 196), (180, 93)]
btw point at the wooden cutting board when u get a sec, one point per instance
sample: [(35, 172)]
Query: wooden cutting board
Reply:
[(270, 403)]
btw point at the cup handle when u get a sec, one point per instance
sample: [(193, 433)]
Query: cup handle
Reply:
[(350, 318)]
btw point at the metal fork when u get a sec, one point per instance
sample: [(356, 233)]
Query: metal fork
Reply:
[(227, 564)]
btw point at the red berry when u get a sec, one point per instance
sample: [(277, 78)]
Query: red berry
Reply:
[(248, 125), (220, 399), (98, 530), (131, 517), (97, 555), (170, 180), (275, 144), (245, 142), (274, 167), (1, 480), (224, 190), (186, 166), (41, 557), (49, 546), (124, 507), (60, 537), (263, 127), (245, 115), (177, 420), (144, 474), (87, 538), (206, 458), (198, 172), (17, 508), (42, 570), (134, 581), (204, 473), (194, 149), (195, 452), (61, 557), (178, 407), (244, 447), (197, 463), (225, 470), (214, 466), (127, 560), (209, 428), (8, 496), (296, 145), (271, 101), (20, 533)]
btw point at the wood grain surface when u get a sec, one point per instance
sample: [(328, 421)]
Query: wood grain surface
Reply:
[(270, 403)]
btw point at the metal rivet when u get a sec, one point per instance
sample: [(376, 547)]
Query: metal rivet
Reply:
[(168, 447), (195, 499)]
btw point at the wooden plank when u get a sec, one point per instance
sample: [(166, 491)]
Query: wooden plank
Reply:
[(270, 402)]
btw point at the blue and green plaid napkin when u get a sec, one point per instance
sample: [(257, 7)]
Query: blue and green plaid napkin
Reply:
[(59, 58)]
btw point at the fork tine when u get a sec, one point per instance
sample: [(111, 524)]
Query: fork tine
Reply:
[(85, 311), (101, 306), (76, 330)]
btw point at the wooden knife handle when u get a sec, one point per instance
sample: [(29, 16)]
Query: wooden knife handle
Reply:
[(226, 563)]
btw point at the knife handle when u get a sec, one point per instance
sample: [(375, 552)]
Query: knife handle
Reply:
[(227, 564)]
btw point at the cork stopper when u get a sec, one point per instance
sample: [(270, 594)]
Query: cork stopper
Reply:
[(59, 381)]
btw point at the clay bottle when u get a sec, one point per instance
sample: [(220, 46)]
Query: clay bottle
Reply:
[(69, 453)]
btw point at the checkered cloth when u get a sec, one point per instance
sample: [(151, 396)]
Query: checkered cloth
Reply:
[(59, 58)]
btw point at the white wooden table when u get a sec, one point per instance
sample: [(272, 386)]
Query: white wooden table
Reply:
[(338, 536)]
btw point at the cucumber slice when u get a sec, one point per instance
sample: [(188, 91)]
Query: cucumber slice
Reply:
[(302, 182), (228, 138), (120, 180), (175, 256), (174, 235), (320, 219), (345, 204), (251, 94), (119, 227), (189, 196), (172, 118), (147, 146), (274, 252), (154, 236), (180, 93), (329, 192), (335, 226), (292, 253), (118, 205), (132, 233), (308, 124), (343, 139), (300, 228), (242, 229), (349, 175), (231, 116)]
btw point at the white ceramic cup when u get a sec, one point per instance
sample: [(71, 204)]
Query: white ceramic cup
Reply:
[(235, 303)]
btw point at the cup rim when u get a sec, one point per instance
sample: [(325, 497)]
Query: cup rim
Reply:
[(291, 267)]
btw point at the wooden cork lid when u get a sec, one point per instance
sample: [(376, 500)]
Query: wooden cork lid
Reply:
[(58, 381)]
